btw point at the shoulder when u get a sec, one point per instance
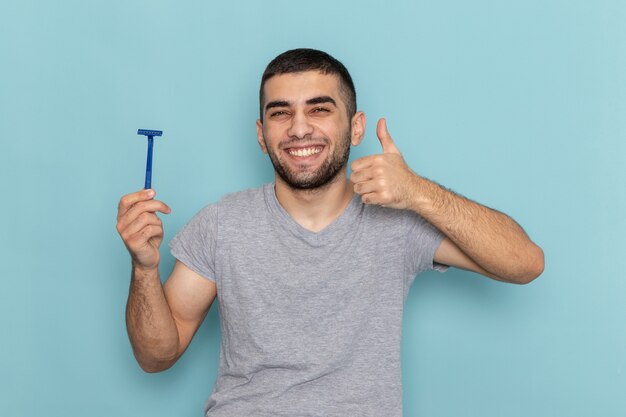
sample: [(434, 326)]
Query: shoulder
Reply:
[(243, 199), (231, 204), (242, 206), (393, 222), (386, 216)]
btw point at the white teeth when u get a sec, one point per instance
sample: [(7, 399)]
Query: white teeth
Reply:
[(305, 151)]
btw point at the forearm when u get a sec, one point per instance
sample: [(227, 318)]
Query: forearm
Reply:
[(492, 239), (151, 328)]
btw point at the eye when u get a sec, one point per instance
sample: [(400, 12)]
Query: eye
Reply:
[(321, 110), (278, 113)]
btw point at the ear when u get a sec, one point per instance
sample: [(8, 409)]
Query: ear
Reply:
[(259, 135), (357, 128)]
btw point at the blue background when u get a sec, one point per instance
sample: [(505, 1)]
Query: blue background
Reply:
[(520, 105)]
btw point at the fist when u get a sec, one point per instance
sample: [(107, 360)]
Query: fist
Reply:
[(140, 228), (384, 179)]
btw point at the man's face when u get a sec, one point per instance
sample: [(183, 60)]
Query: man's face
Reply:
[(305, 130)]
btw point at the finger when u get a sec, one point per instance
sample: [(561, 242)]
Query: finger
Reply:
[(385, 138), (366, 187), (129, 200), (151, 206), (145, 219), (370, 198), (362, 175), (142, 237), (362, 163)]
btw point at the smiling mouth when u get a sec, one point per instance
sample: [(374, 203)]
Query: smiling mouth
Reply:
[(308, 151)]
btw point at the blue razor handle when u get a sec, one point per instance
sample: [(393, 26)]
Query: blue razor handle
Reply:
[(149, 163), (150, 134)]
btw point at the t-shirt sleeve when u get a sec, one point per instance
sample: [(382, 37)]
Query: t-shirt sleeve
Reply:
[(423, 239), (195, 244)]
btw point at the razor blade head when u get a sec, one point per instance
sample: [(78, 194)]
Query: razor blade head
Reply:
[(147, 132)]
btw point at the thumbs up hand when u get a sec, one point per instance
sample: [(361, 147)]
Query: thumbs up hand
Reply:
[(384, 179), (385, 138)]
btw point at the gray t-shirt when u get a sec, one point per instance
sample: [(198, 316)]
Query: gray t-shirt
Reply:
[(311, 322)]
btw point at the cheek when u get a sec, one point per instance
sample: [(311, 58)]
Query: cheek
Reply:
[(273, 135), (332, 131), (267, 141)]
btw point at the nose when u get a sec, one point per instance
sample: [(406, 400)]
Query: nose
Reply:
[(300, 126)]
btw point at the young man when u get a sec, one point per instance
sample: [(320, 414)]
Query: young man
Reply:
[(310, 272)]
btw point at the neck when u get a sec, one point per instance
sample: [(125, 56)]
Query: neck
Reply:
[(317, 208)]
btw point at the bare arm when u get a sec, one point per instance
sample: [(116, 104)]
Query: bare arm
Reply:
[(478, 238), (151, 328), (161, 320), (491, 239)]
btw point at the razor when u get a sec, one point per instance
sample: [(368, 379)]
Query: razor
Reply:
[(150, 134)]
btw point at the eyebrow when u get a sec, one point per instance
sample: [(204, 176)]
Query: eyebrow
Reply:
[(312, 101), (277, 103), (322, 100)]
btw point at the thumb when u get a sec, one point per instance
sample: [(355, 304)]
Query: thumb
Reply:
[(385, 138)]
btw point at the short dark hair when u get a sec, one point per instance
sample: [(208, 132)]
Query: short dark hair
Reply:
[(303, 59)]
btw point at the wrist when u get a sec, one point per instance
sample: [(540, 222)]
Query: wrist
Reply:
[(420, 200), (144, 271)]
